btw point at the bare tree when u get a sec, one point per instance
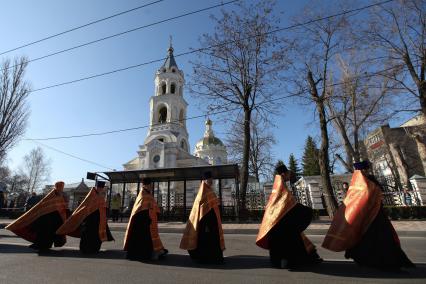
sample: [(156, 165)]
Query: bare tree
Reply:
[(36, 169), (261, 142), (239, 69), (316, 47), (17, 183), (14, 91), (398, 29), (358, 104)]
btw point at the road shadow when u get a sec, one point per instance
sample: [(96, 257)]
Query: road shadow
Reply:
[(15, 248), (75, 253), (230, 263), (236, 262), (351, 269)]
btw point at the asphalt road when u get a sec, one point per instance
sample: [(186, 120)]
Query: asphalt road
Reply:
[(244, 263)]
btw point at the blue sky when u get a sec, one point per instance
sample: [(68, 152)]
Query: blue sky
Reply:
[(119, 100)]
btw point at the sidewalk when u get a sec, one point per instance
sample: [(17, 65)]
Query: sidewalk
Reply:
[(404, 228), (411, 228)]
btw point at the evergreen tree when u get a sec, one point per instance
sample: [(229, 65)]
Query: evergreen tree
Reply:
[(293, 166), (279, 163), (310, 161)]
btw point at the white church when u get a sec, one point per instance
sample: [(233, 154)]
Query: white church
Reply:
[(167, 143)]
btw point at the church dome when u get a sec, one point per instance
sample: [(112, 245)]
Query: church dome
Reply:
[(210, 148), (209, 138)]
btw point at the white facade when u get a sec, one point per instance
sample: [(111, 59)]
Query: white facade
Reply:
[(167, 143)]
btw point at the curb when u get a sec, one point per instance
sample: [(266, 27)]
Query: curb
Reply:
[(315, 232)]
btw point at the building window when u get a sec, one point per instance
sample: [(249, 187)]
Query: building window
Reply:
[(163, 88), (183, 145), (162, 115), (161, 139), (374, 139), (172, 88), (173, 70), (156, 158), (181, 116)]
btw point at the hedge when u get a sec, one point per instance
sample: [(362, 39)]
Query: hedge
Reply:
[(406, 212)]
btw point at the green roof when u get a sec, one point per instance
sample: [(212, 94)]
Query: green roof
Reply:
[(170, 60), (211, 141)]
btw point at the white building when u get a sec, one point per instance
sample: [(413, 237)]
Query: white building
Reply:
[(167, 141), (309, 189)]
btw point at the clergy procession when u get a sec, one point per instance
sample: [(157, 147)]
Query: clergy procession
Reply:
[(360, 227)]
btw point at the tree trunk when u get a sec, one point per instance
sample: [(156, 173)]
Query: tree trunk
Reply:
[(422, 98), (246, 152), (345, 164), (421, 147), (324, 161), (401, 165)]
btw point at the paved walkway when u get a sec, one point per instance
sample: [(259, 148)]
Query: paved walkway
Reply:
[(405, 228)]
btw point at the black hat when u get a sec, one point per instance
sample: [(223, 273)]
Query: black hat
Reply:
[(146, 181), (362, 165), (100, 184), (281, 169), (207, 175)]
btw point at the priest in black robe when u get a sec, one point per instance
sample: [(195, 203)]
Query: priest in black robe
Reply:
[(88, 222), (142, 241), (203, 235)]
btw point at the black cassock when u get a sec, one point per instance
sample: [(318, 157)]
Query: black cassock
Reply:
[(208, 246), (139, 246), (285, 240), (89, 229), (45, 227), (379, 246)]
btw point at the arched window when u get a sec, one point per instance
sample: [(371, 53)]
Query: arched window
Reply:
[(163, 88), (183, 145), (181, 116), (173, 88), (162, 115)]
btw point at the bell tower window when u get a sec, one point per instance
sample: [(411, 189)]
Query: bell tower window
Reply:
[(163, 88), (173, 88), (181, 116), (162, 115), (183, 145)]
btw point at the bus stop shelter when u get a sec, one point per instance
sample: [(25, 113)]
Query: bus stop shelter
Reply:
[(168, 175)]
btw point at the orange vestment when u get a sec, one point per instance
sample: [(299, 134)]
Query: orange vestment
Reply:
[(145, 201), (93, 201), (281, 201), (354, 216), (205, 201), (53, 201)]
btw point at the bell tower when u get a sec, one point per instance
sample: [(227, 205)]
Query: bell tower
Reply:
[(167, 134)]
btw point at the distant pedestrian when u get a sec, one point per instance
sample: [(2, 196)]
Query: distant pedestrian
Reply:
[(361, 227), (2, 199), (115, 207), (31, 201), (345, 187)]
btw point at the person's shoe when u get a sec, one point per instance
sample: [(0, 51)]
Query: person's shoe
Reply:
[(163, 253), (284, 263), (33, 246)]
